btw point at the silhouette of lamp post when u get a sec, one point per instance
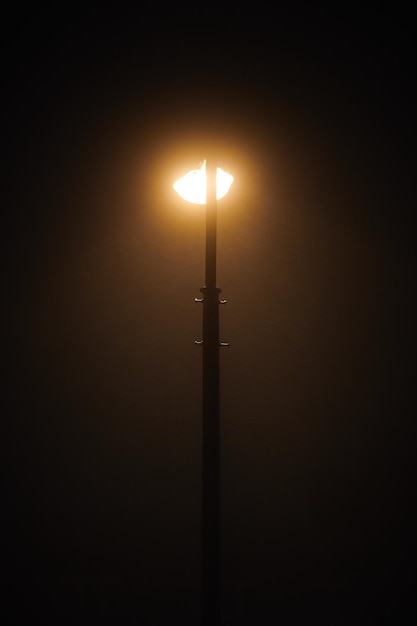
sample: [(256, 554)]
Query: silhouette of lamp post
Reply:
[(206, 186)]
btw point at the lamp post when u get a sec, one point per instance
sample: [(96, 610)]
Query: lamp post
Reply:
[(206, 186)]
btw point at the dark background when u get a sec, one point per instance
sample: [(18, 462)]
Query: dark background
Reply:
[(312, 111)]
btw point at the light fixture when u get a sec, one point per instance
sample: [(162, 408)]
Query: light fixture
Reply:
[(193, 186)]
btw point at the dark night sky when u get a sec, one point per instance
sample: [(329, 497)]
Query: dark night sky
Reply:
[(313, 113)]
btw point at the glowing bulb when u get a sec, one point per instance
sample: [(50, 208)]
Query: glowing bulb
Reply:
[(192, 187)]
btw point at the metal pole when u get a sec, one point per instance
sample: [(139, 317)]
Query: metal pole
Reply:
[(211, 423)]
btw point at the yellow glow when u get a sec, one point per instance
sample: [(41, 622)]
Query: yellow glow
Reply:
[(192, 187)]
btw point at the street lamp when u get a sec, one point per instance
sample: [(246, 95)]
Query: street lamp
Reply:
[(206, 186)]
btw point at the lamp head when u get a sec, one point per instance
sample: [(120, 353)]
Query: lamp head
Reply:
[(193, 186)]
